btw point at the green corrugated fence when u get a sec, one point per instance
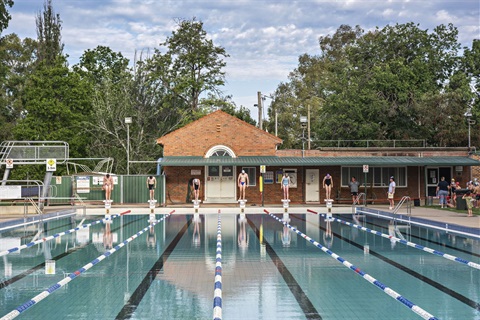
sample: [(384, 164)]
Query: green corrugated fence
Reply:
[(127, 189)]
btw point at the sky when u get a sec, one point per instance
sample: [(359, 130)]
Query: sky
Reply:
[(263, 38)]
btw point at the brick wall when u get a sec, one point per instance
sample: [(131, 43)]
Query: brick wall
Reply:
[(219, 128)]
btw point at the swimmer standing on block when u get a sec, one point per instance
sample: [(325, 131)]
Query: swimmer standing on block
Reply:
[(242, 184)]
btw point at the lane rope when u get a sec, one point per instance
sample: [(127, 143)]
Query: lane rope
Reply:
[(45, 239), (421, 312), (408, 243), (217, 296), (15, 313)]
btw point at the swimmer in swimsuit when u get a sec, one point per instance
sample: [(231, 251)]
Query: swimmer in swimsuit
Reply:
[(196, 187), (151, 185), (242, 184), (328, 185), (107, 186), (285, 185)]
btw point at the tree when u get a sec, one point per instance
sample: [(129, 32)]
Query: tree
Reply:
[(398, 82), (191, 64), (16, 64), (4, 14), (49, 27)]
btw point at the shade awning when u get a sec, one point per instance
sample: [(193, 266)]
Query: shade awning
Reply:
[(318, 161)]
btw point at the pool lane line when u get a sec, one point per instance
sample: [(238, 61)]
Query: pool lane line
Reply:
[(217, 294), (132, 304), (303, 300), (56, 235), (458, 296), (395, 295), (399, 217), (408, 243), (22, 275), (428, 240), (27, 305)]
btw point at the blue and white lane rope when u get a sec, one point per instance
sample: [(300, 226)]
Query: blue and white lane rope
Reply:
[(217, 296), (15, 313), (421, 312), (408, 243), (31, 244)]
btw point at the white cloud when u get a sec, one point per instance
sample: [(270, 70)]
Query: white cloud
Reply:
[(263, 37)]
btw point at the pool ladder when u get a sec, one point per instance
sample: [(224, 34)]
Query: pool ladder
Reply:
[(408, 201)]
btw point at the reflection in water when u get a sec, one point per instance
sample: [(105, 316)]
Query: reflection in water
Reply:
[(391, 233), (286, 235), (151, 236), (328, 235), (196, 230), (242, 232), (107, 236)]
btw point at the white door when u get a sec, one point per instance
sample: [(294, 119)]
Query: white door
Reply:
[(220, 184), (312, 185)]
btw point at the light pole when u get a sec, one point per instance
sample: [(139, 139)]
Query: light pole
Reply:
[(303, 124), (468, 114), (128, 120)]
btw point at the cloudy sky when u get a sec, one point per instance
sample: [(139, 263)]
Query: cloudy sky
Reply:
[(263, 37)]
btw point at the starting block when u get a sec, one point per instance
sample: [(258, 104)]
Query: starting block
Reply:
[(286, 203), (329, 203), (108, 205), (242, 203), (152, 204), (196, 205)]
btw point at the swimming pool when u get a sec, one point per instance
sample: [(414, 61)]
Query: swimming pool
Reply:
[(268, 270)]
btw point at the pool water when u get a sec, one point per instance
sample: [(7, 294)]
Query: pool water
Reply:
[(268, 271)]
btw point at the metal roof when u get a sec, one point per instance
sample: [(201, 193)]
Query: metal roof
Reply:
[(318, 161)]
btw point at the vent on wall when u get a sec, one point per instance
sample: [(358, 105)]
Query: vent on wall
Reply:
[(219, 126), (458, 168)]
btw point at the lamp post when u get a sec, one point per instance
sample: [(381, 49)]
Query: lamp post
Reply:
[(468, 115), (303, 124), (128, 120)]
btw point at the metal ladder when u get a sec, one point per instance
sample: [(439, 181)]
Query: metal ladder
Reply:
[(408, 201)]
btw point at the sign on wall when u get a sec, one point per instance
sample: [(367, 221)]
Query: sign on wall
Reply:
[(268, 177), (51, 164), (83, 184), (10, 192)]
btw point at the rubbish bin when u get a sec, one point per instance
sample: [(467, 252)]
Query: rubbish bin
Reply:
[(461, 203)]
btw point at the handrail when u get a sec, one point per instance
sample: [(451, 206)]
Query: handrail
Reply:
[(34, 205), (404, 199), (360, 196)]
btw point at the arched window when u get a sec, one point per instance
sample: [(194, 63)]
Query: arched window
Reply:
[(220, 151)]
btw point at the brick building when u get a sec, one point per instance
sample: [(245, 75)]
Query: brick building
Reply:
[(217, 147)]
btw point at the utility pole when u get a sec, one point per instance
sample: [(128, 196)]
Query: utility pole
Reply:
[(308, 128), (260, 120)]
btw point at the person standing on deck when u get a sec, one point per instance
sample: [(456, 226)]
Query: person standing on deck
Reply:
[(391, 192)]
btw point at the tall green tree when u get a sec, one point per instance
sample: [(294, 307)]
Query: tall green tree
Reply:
[(16, 64), (188, 64), (49, 36), (397, 82), (4, 14)]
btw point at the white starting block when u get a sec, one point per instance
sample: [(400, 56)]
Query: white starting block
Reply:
[(242, 203), (108, 205), (329, 203), (196, 205), (286, 203), (286, 218), (152, 204)]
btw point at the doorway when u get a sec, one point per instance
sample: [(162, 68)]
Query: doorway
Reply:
[(220, 184), (312, 185)]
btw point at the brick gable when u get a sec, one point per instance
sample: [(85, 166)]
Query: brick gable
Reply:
[(219, 128)]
